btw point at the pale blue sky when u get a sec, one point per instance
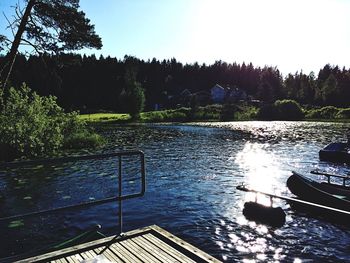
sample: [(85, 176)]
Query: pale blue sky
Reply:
[(289, 34)]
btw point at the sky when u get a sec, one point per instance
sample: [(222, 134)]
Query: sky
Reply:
[(292, 35)]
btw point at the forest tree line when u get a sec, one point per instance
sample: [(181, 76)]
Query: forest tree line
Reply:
[(88, 84)]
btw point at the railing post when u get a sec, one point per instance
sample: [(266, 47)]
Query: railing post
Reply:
[(120, 206), (143, 173)]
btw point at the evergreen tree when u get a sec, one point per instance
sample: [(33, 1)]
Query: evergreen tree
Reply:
[(132, 97), (330, 90), (49, 26)]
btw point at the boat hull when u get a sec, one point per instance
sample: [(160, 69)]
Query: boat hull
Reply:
[(335, 152), (319, 193)]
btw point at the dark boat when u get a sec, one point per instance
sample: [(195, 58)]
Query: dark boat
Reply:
[(305, 203), (337, 152), (331, 195)]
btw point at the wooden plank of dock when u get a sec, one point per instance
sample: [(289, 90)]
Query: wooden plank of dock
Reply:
[(148, 244)]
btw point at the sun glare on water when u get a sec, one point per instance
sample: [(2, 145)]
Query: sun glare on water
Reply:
[(261, 169)]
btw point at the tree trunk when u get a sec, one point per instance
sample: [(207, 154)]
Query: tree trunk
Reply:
[(16, 42)]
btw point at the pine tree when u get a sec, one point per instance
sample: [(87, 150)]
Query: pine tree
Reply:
[(49, 26), (132, 97)]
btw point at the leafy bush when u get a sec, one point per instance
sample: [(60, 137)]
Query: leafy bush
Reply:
[(228, 112), (343, 114), (153, 116), (210, 112), (183, 110), (288, 110), (267, 112), (31, 125), (249, 113), (203, 114), (328, 112), (177, 116)]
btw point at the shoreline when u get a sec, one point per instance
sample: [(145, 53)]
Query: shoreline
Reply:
[(122, 118)]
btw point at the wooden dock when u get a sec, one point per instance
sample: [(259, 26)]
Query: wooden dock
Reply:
[(149, 244)]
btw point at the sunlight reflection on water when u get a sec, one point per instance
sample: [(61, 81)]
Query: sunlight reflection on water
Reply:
[(262, 168)]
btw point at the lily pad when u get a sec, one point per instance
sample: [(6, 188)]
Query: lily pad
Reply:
[(21, 181), (37, 167), (15, 223)]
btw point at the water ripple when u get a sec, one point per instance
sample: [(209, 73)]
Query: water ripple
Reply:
[(192, 174)]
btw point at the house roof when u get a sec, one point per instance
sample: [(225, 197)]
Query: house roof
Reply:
[(217, 86), (185, 92)]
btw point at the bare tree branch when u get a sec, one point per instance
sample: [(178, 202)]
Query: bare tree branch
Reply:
[(28, 43), (10, 25), (19, 11)]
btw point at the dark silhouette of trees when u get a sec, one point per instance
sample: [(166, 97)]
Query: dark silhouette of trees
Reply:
[(49, 26), (300, 87), (329, 90), (90, 84), (270, 86), (331, 87)]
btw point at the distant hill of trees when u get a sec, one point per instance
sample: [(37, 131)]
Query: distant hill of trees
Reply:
[(89, 84)]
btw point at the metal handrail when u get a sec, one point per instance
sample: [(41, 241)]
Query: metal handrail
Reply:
[(66, 159), (118, 198), (329, 175)]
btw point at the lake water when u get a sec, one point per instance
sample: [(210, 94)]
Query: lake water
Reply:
[(192, 174)]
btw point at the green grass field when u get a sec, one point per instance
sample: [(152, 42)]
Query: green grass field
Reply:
[(104, 117)]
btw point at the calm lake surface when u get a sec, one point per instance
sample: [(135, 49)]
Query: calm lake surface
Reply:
[(192, 174)]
